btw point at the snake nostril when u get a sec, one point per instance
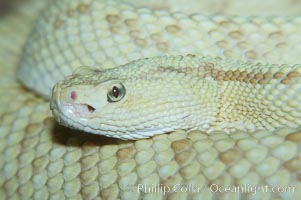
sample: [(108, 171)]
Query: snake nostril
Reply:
[(73, 95)]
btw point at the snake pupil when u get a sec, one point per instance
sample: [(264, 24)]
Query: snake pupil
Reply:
[(115, 92)]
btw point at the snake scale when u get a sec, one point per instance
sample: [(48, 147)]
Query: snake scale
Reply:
[(249, 63)]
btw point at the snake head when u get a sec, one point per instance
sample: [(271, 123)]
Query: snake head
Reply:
[(133, 101)]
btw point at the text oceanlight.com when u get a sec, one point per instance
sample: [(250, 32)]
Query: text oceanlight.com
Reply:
[(215, 188)]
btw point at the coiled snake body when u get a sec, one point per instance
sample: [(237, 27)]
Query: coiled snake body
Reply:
[(237, 101)]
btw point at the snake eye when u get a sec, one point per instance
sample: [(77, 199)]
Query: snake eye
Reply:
[(116, 92)]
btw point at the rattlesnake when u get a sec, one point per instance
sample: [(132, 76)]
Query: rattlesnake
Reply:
[(40, 159)]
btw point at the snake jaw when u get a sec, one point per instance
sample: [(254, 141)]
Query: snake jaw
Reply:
[(78, 110)]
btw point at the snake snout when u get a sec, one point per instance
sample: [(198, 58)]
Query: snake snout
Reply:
[(73, 96), (54, 100)]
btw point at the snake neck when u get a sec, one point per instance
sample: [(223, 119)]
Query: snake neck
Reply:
[(239, 109), (250, 107)]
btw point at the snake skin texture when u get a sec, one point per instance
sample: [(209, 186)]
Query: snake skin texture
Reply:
[(166, 93), (67, 36), (41, 160)]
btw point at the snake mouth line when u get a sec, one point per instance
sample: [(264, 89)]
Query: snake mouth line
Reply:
[(80, 110), (76, 111), (90, 108), (73, 115)]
